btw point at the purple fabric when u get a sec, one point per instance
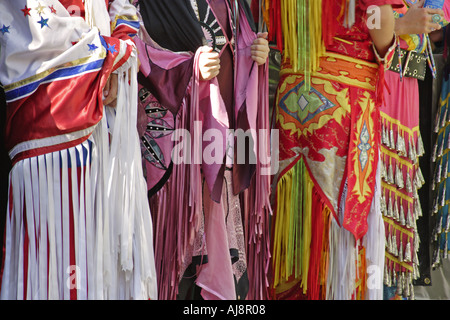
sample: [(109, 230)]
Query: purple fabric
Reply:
[(446, 10), (219, 263), (226, 75), (163, 72), (248, 100), (165, 59), (180, 208), (206, 98)]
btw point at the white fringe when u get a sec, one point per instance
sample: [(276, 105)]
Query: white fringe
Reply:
[(341, 282), (374, 242), (96, 15), (112, 224), (342, 268), (131, 224)]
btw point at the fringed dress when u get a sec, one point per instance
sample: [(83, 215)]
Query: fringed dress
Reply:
[(78, 224), (327, 230), (401, 148), (211, 217)]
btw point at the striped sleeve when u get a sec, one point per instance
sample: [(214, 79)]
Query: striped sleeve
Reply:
[(124, 20)]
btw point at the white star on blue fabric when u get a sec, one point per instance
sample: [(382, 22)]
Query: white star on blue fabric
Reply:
[(5, 29), (43, 22)]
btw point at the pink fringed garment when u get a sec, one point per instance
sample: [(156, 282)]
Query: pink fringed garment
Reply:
[(188, 224)]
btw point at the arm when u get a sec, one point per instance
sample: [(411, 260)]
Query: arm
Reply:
[(124, 26), (383, 37)]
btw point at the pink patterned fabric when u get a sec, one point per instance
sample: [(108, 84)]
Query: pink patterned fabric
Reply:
[(447, 10), (197, 212), (401, 99), (217, 244)]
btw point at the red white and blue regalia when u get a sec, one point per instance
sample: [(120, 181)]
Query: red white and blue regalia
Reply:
[(78, 223)]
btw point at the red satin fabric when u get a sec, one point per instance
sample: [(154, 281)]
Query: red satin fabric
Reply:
[(59, 107)]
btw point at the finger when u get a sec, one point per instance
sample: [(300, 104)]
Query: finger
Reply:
[(261, 41), (262, 35), (433, 27), (215, 73), (211, 54), (419, 4), (113, 103), (260, 47), (106, 87), (107, 101), (259, 53), (211, 63), (259, 56), (114, 85), (262, 44), (431, 11), (112, 94), (208, 70), (205, 49), (213, 60), (209, 74), (256, 57), (209, 59), (259, 60)]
